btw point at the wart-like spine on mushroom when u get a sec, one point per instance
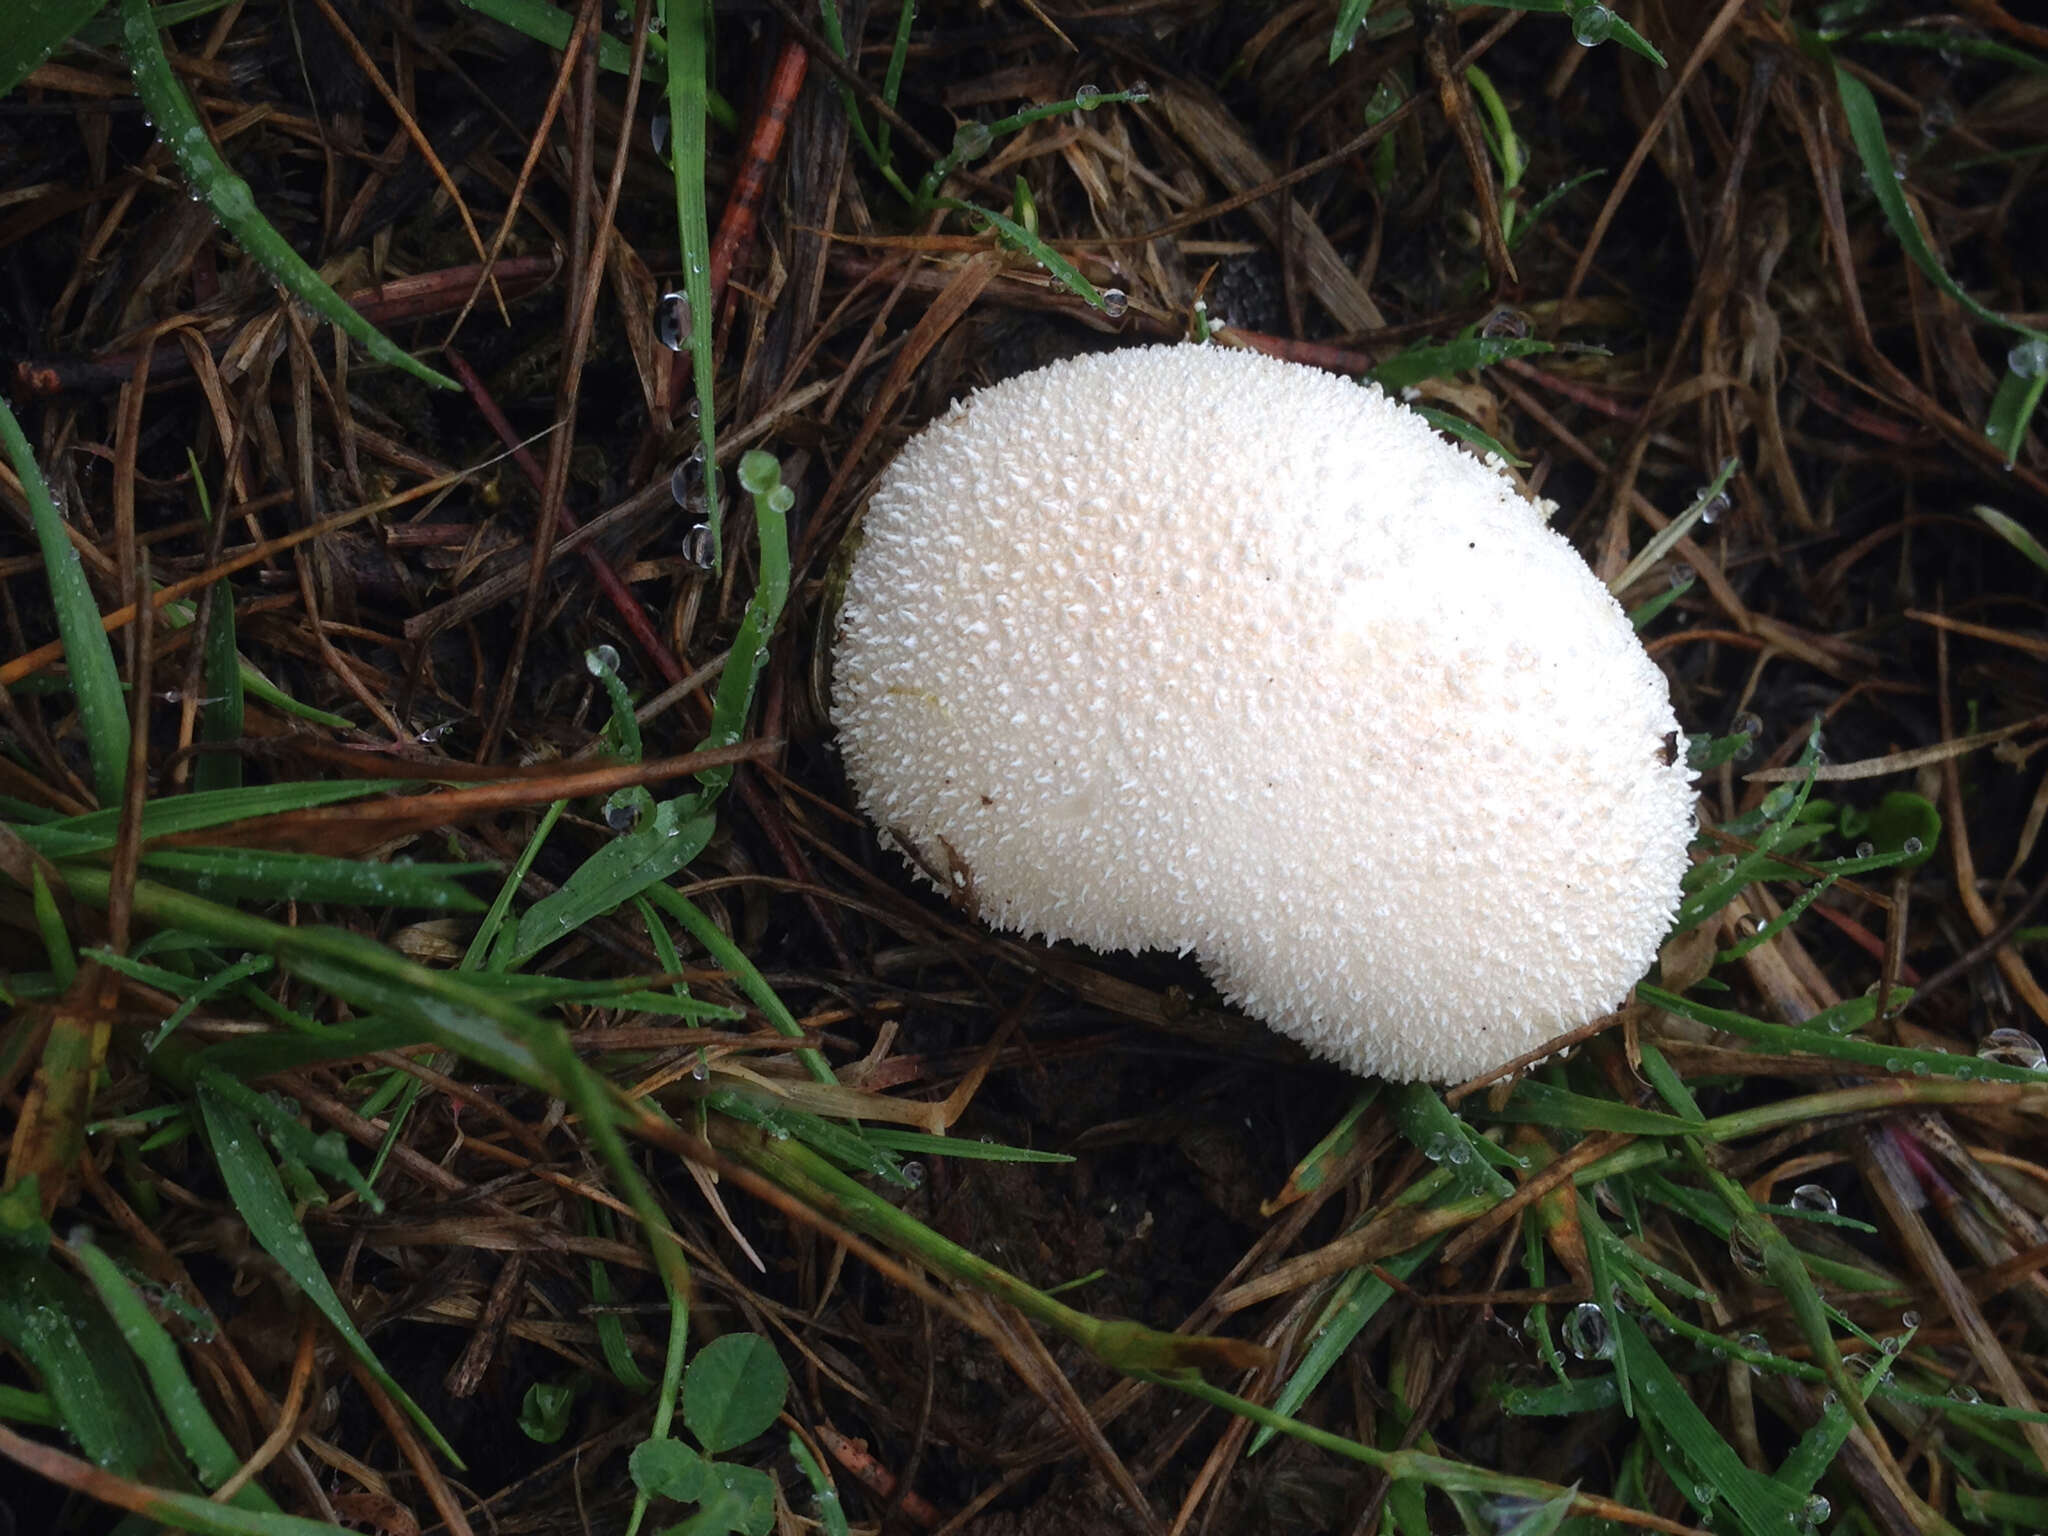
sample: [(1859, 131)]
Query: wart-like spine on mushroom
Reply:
[(1192, 649)]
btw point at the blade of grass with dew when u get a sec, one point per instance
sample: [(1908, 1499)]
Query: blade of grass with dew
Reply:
[(1350, 17), (66, 1339), (324, 1152), (687, 23), (179, 129), (1617, 30), (258, 1192), (845, 1146), (1761, 1505), (2018, 536), (2017, 398), (258, 875), (2014, 404), (449, 1007), (1355, 1303), (730, 957), (88, 652), (220, 714), (661, 846), (924, 1144), (1971, 44), (1440, 1135), (1124, 1346), (761, 477), (826, 1508), (1465, 432), (178, 1399), (94, 832), (1667, 537), (35, 30), (1014, 235), (1864, 1053)]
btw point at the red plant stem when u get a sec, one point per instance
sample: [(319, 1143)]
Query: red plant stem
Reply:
[(742, 216)]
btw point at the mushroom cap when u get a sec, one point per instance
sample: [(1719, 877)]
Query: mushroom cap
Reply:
[(1188, 648)]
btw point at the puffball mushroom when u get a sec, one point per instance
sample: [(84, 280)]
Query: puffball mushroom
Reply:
[(1188, 648)]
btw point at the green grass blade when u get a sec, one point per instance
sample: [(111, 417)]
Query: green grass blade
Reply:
[(88, 653), (36, 29), (157, 1353), (1466, 355), (179, 129), (258, 1192), (2014, 534), (2018, 397), (258, 875), (923, 1144), (1866, 129), (761, 477), (688, 24), (71, 1345), (660, 846)]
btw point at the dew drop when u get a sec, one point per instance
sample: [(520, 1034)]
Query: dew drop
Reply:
[(657, 130), (2013, 1048), (1909, 1319), (1963, 1392), (1586, 1333), (1114, 303), (672, 321), (1747, 1253), (621, 811), (781, 499), (1088, 98), (1911, 845), (698, 548), (1813, 1200), (1866, 850), (1437, 1148), (1592, 25), (1816, 1510), (1506, 323), (913, 1175), (684, 479), (1716, 505), (1139, 92), (2029, 358), (600, 659), (971, 141)]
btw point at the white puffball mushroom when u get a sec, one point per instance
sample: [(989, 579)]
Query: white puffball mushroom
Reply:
[(1188, 648)]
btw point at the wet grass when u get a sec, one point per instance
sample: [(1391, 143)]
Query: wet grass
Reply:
[(468, 1067)]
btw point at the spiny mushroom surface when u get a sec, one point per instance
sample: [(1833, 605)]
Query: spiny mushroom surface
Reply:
[(1189, 648)]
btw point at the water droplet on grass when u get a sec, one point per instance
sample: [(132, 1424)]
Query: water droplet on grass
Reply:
[(1586, 1333), (1114, 303), (600, 659), (1814, 1200), (672, 321), (1592, 25), (2029, 358), (698, 548), (971, 141), (2013, 1048), (1088, 98)]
